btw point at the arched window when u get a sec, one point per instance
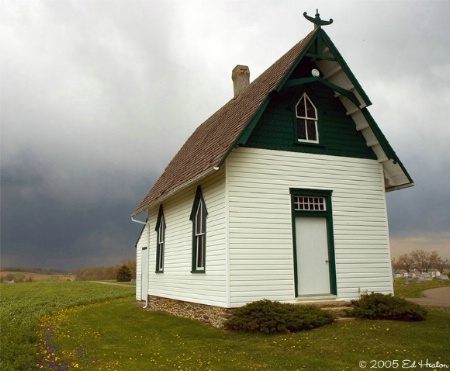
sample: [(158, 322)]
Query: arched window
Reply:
[(306, 114), (160, 240), (198, 218)]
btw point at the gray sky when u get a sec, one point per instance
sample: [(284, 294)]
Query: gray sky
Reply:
[(97, 96)]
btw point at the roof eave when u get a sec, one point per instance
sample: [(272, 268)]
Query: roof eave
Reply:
[(174, 190)]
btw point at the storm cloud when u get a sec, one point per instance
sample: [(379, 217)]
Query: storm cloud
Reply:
[(96, 98)]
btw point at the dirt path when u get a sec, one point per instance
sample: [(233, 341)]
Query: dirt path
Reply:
[(115, 283), (439, 297)]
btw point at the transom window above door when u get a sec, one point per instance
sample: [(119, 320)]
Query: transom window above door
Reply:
[(309, 203), (306, 115)]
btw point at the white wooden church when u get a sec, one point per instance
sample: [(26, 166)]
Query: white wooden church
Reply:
[(279, 195)]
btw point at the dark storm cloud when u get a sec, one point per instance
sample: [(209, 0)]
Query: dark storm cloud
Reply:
[(97, 96), (47, 230)]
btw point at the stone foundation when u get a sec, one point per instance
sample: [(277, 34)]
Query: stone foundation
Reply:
[(212, 315)]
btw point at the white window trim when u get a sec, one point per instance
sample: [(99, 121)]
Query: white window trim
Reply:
[(310, 203), (303, 99), (199, 233), (161, 243)]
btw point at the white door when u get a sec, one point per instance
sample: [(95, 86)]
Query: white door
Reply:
[(313, 273), (144, 274)]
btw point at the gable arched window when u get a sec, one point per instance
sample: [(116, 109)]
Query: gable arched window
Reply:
[(306, 115), (198, 218), (160, 240)]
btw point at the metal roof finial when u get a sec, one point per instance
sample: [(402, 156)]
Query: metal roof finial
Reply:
[(317, 21)]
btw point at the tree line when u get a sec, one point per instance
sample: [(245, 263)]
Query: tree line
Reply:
[(421, 260), (105, 273)]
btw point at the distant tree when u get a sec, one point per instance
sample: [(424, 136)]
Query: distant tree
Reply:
[(405, 262), (131, 263), (422, 260), (124, 274), (438, 262), (96, 273)]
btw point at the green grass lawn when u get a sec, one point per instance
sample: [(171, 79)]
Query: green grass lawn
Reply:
[(89, 326), (119, 335), (414, 290), (24, 304)]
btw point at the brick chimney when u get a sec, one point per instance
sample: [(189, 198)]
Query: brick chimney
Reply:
[(241, 79)]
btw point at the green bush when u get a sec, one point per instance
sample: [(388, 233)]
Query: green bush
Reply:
[(124, 274), (271, 317), (379, 306)]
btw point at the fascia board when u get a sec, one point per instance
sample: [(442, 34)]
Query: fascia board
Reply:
[(345, 68)]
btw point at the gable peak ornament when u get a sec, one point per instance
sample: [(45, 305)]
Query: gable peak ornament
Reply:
[(316, 20)]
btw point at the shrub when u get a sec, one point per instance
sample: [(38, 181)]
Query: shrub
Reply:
[(380, 306), (271, 317), (124, 274)]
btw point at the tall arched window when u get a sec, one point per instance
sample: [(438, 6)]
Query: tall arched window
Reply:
[(198, 217), (306, 114), (160, 238)]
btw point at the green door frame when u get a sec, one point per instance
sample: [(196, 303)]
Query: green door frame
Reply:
[(328, 214)]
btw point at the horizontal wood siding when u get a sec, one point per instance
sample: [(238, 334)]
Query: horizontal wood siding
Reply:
[(177, 281), (142, 242), (260, 222)]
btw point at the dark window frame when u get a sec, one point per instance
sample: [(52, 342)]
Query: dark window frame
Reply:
[(198, 217), (160, 240)]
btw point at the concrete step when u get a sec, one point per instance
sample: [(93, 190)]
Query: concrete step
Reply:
[(339, 308)]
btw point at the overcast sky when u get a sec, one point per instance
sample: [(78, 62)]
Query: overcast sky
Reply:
[(97, 96)]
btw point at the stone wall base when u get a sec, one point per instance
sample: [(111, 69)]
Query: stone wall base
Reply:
[(212, 315)]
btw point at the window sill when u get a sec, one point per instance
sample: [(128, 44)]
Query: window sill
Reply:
[(197, 271), (309, 144)]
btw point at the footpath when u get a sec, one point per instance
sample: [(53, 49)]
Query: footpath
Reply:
[(439, 297)]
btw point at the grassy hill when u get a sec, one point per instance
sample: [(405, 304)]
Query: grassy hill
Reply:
[(31, 276)]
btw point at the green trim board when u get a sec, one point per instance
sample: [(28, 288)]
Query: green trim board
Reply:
[(328, 214), (338, 89), (277, 128), (345, 67), (245, 134)]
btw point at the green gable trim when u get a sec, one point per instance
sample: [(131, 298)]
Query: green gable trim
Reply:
[(297, 61), (307, 80), (384, 143), (345, 67), (277, 127), (319, 34), (245, 135)]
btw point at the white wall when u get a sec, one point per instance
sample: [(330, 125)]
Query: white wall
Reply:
[(177, 281), (260, 222), (142, 242)]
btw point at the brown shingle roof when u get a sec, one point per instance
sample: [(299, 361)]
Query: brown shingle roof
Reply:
[(213, 140)]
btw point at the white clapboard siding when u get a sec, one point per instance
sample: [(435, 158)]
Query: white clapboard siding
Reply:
[(142, 242), (177, 281), (260, 222)]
